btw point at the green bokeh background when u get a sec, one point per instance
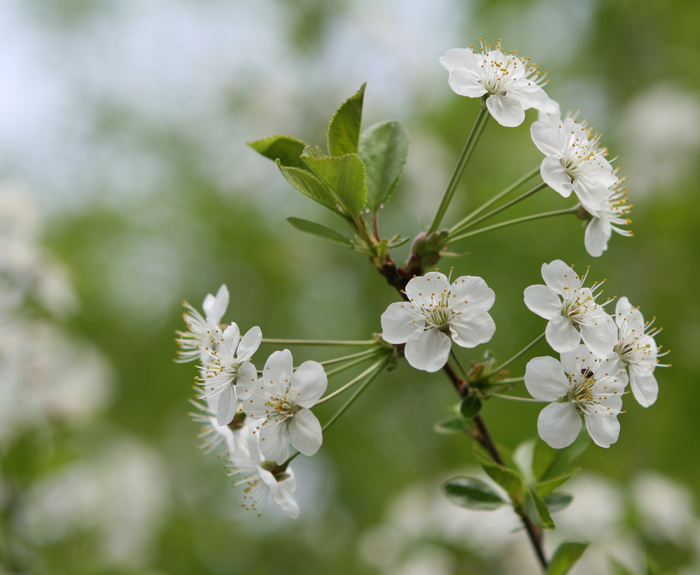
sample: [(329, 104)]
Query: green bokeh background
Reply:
[(207, 233)]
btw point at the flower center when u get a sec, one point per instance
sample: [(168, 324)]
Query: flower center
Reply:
[(437, 312), (281, 408)]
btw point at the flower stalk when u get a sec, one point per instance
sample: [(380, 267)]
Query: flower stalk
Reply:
[(452, 239), (515, 185), (459, 168)]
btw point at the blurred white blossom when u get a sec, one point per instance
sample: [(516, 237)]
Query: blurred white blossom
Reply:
[(660, 136), (120, 496)]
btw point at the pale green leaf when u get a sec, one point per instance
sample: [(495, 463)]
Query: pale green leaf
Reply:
[(450, 426), (344, 176), (565, 557), (472, 493), (344, 127), (546, 487), (470, 406), (507, 478), (558, 501), (286, 149), (537, 509), (309, 185), (384, 150), (550, 463), (320, 231)]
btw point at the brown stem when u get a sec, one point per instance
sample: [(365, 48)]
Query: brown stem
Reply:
[(375, 225), (398, 278), (483, 436)]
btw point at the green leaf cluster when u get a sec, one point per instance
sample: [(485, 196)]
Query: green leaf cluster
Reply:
[(359, 173), (530, 477)]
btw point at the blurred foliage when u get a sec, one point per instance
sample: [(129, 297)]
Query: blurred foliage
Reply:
[(295, 286)]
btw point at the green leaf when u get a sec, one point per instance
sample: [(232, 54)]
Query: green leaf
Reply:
[(470, 406), (550, 463), (652, 567), (565, 557), (344, 127), (619, 568), (546, 487), (309, 185), (286, 149), (399, 241), (472, 493), (558, 501), (320, 231), (523, 457), (537, 509), (384, 150), (510, 480), (345, 176), (453, 425)]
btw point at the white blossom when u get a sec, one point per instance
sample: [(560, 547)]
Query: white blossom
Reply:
[(225, 365), (635, 349), (197, 341), (576, 308), (575, 162), (512, 83), (435, 312), (605, 220), (580, 383), (257, 479), (281, 399), (221, 439)]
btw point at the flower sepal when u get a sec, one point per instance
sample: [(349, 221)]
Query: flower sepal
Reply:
[(486, 373), (428, 247)]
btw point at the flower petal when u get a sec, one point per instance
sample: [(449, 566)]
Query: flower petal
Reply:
[(604, 428), (309, 383), (598, 234), (230, 339), (428, 350), (543, 301), (401, 321), (249, 344), (531, 95), (593, 194), (465, 83), (644, 386), (555, 176), (472, 327), (624, 310), (578, 358), (278, 371), (284, 499), (506, 110), (561, 334), (226, 406), (558, 425), (459, 59), (423, 289), (473, 291), (217, 307), (305, 432), (599, 337), (545, 379), (246, 380), (560, 277), (546, 137), (274, 441)]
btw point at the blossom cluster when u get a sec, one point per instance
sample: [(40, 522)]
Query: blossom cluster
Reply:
[(252, 420), (255, 416), (574, 160), (591, 377)]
